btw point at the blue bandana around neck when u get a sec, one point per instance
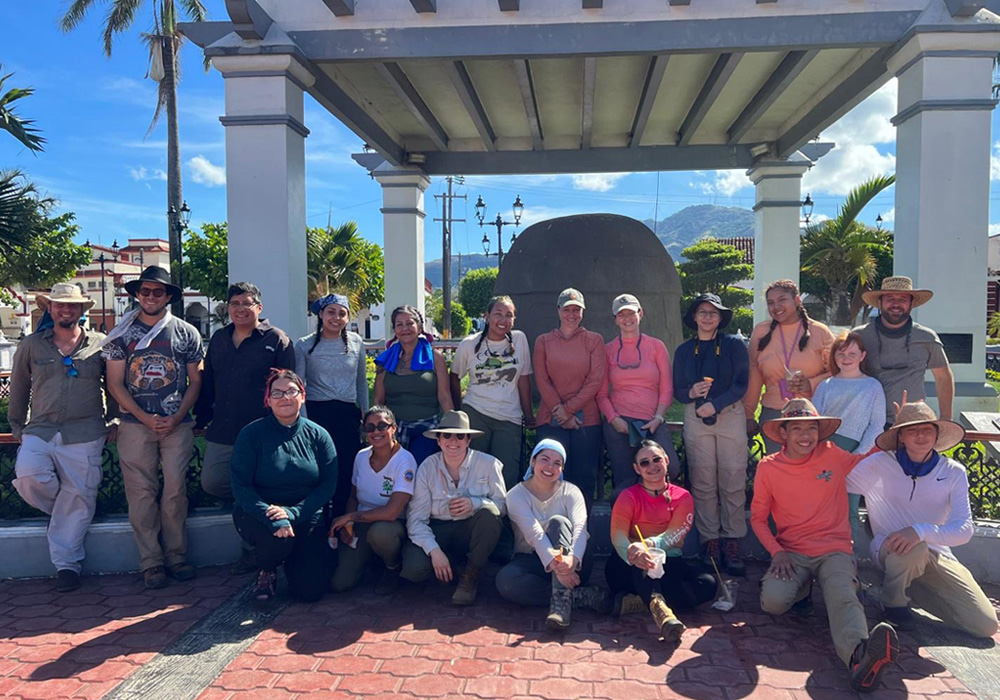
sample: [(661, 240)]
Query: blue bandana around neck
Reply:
[(423, 357), (916, 469)]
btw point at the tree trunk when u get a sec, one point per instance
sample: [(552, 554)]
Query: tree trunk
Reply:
[(842, 308), (174, 197)]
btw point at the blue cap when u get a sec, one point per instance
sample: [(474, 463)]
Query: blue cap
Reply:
[(323, 302)]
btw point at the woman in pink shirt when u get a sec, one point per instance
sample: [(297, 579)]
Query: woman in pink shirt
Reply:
[(636, 392), (569, 369)]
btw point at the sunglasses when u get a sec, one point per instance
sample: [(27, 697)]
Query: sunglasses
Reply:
[(71, 370), (381, 427), (453, 436), (646, 462), (292, 393), (155, 293)]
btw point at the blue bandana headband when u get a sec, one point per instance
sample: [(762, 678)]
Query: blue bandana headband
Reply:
[(546, 444), (323, 302)]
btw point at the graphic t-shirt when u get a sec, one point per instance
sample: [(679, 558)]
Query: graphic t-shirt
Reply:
[(493, 373), (156, 376), (375, 488)]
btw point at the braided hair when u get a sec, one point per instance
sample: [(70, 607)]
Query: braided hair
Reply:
[(412, 312), (504, 299), (793, 289), (319, 332)]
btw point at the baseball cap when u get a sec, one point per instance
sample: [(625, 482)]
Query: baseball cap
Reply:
[(570, 297), (625, 301)]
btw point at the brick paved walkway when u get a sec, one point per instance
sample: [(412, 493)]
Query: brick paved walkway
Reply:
[(416, 645)]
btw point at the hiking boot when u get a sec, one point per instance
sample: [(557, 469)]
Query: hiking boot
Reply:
[(560, 607), (182, 572), (872, 656), (246, 564), (627, 604), (670, 627), (388, 583), (264, 587), (711, 550), (67, 580), (898, 617), (155, 577), (465, 592), (593, 598), (732, 557)]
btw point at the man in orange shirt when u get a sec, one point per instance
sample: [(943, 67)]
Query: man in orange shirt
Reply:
[(803, 488)]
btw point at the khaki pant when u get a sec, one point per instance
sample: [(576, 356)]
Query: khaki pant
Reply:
[(940, 585), (216, 473), (838, 579), (717, 468), (384, 539), (140, 453)]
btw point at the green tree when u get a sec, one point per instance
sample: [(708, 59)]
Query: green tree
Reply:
[(716, 267), (20, 205), (18, 127), (333, 263), (49, 256), (373, 263), (460, 322), (842, 251), (475, 291), (206, 260)]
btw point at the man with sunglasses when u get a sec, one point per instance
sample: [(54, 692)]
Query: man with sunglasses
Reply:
[(154, 371), (901, 351), (60, 373)]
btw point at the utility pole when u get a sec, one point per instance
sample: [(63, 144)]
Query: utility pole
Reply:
[(447, 219)]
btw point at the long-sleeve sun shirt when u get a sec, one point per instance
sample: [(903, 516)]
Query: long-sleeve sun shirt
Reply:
[(637, 391), (529, 515), (665, 519), (767, 366), (569, 372)]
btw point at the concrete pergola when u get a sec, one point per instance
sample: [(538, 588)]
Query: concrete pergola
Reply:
[(440, 87)]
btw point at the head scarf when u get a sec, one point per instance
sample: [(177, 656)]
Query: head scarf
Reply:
[(323, 302), (547, 444)]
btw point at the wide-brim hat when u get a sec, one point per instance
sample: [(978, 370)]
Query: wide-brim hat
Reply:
[(727, 313), (153, 273), (950, 433), (452, 422), (897, 285), (797, 410), (64, 293)]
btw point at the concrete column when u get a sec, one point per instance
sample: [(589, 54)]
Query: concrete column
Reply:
[(777, 210), (943, 192), (265, 181), (403, 230)]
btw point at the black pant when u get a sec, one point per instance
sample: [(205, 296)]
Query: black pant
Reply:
[(306, 556), (685, 583), (343, 421)]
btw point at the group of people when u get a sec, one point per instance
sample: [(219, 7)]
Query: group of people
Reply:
[(437, 492)]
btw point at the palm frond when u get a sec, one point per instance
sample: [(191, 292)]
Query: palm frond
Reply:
[(121, 14), (21, 129), (20, 206), (858, 198), (194, 10), (75, 14)]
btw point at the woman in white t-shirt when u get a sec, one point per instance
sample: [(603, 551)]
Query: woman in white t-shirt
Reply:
[(498, 399), (375, 521)]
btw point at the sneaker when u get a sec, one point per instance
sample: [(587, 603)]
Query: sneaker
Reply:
[(627, 604), (898, 617), (264, 588), (560, 607), (182, 572), (711, 550), (871, 657), (388, 583), (246, 564), (732, 557), (670, 627), (67, 580), (593, 598), (465, 592), (155, 577)]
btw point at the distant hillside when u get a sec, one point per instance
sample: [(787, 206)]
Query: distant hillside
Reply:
[(433, 269)]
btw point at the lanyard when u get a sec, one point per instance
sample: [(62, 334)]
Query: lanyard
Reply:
[(784, 349)]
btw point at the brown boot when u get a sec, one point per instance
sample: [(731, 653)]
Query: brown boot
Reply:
[(465, 593), (670, 627)]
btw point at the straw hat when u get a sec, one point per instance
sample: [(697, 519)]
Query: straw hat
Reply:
[(896, 285), (64, 293), (919, 413), (799, 410), (452, 422)]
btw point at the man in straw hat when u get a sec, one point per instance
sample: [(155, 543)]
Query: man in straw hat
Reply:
[(802, 488), (901, 351), (918, 507), (60, 373)]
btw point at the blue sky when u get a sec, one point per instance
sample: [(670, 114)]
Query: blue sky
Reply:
[(101, 165)]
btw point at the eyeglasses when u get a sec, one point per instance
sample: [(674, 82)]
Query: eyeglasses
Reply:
[(71, 370), (452, 436), (655, 460), (638, 348), (381, 427), (708, 314), (243, 304), (155, 293), (292, 393)]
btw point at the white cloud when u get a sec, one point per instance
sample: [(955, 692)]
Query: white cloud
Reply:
[(994, 229), (818, 218), (995, 162), (206, 173), (532, 215), (724, 182), (889, 217), (141, 173), (597, 182)]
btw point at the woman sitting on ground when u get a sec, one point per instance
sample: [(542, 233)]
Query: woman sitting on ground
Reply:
[(284, 469), (549, 516), (375, 522), (663, 513), (457, 510)]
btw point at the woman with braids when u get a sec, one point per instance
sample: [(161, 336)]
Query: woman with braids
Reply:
[(498, 362), (332, 363), (412, 379), (788, 357)]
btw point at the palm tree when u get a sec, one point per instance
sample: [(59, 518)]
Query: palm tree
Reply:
[(841, 250), (20, 129), (332, 265), (21, 210), (164, 43)]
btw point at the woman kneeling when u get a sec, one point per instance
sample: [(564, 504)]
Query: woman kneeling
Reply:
[(382, 485), (653, 567)]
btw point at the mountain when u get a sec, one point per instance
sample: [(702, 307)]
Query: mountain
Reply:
[(686, 226), (433, 269)]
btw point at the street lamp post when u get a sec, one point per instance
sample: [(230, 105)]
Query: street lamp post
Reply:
[(179, 221), (518, 209), (104, 286)]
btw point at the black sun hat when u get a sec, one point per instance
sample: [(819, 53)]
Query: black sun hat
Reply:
[(153, 273), (708, 298)]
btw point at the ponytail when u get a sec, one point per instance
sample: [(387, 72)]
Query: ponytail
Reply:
[(805, 327), (343, 336), (319, 334), (767, 338)]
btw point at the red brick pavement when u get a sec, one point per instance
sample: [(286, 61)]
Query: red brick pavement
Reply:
[(417, 645)]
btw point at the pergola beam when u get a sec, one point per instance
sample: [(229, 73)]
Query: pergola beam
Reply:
[(509, 5), (650, 88), (787, 71), (394, 76), (422, 6), (527, 87), (723, 69), (460, 78), (589, 90), (250, 21), (593, 4), (341, 8)]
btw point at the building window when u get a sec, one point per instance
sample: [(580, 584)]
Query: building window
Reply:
[(92, 285)]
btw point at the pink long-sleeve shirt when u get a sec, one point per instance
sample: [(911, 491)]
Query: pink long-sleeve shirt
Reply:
[(569, 372), (635, 392)]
